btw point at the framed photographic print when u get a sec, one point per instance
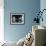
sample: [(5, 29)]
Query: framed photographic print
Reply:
[(17, 18)]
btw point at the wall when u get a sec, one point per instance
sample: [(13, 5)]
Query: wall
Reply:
[(29, 8), (1, 20), (43, 6)]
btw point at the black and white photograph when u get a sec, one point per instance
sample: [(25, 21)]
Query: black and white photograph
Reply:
[(17, 18)]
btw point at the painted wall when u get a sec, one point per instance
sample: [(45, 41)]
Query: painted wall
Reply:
[(29, 8), (43, 6)]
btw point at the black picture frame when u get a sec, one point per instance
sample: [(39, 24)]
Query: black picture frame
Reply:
[(17, 18)]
